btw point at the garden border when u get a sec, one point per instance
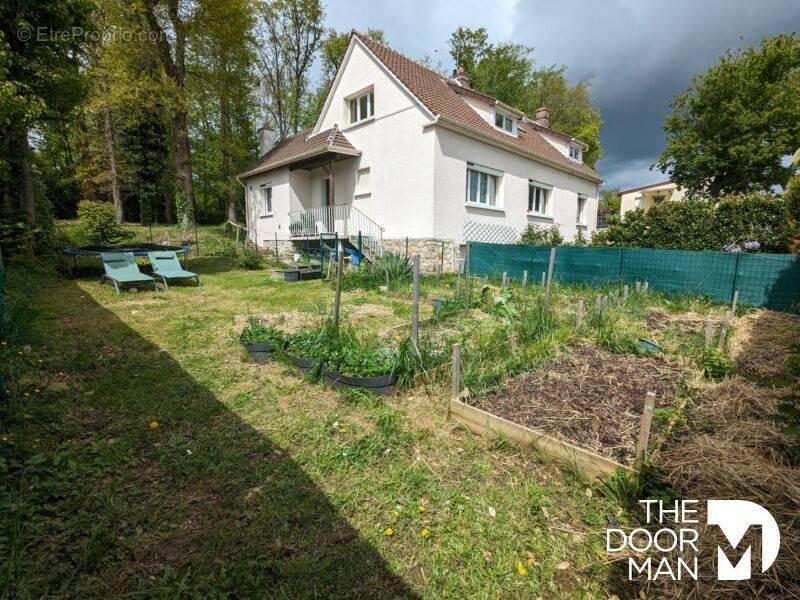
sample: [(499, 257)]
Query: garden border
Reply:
[(591, 465)]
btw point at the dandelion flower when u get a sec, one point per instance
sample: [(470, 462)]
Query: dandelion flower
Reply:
[(389, 531), (154, 425), (521, 569), (425, 532)]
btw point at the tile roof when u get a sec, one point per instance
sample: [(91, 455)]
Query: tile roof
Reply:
[(301, 145), (441, 98), (645, 187)]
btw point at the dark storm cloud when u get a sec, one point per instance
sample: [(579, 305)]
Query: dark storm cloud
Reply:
[(641, 52)]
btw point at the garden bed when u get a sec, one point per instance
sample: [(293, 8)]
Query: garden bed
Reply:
[(591, 398)]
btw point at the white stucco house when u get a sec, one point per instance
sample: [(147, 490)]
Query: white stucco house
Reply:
[(401, 151), (647, 196)]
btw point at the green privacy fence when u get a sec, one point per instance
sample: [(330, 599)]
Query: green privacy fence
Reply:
[(769, 280)]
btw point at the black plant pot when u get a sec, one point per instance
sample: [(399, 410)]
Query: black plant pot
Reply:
[(304, 364), (376, 384), (260, 353), (291, 275), (310, 274)]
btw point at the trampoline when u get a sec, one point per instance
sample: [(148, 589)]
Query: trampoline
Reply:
[(135, 248)]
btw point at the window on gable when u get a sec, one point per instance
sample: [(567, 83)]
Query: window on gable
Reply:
[(538, 199), (574, 153), (481, 187), (503, 122), (266, 197), (362, 107)]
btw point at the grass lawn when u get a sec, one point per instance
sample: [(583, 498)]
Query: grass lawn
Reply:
[(144, 456)]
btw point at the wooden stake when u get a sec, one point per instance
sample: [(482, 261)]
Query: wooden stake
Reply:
[(276, 245), (458, 282), (735, 301), (337, 301), (598, 303), (468, 280), (524, 281), (549, 280), (709, 332), (645, 287), (579, 315), (505, 278), (638, 287), (724, 331), (625, 292), (415, 303), (544, 276), (455, 378), (644, 434), (603, 304)]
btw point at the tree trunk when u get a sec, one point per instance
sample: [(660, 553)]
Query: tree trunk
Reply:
[(108, 135), (183, 168), (227, 163), (28, 202)]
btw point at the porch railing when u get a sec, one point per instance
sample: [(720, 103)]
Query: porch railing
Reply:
[(344, 219)]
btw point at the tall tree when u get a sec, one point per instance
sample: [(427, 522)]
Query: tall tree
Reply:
[(509, 73), (292, 35), (42, 82), (170, 22), (731, 129)]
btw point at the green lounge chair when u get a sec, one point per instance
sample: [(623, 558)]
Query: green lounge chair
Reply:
[(166, 266), (121, 267)]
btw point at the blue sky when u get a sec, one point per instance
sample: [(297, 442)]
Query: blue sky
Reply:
[(641, 52)]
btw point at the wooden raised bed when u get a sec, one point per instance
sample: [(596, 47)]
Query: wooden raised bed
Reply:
[(593, 466)]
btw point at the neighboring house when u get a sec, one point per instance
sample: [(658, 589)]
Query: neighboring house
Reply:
[(647, 196), (400, 151)]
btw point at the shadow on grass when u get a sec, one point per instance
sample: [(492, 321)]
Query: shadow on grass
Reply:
[(201, 505)]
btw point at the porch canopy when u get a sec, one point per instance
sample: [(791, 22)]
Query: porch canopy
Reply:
[(305, 151)]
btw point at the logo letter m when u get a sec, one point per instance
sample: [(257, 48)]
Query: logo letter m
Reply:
[(734, 518)]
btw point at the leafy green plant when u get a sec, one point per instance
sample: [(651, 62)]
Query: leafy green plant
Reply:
[(258, 333), (392, 268), (621, 489), (97, 223), (714, 364), (250, 259), (536, 235), (788, 414)]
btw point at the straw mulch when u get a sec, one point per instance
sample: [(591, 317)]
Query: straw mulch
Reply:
[(733, 451), (763, 341)]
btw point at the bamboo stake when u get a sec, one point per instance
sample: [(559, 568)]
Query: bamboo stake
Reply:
[(415, 303), (735, 301), (579, 315), (644, 435), (724, 331), (549, 280), (337, 302), (455, 378), (709, 332)]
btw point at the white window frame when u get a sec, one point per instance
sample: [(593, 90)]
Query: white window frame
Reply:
[(545, 189), (580, 217), (575, 153), (363, 182), (492, 178), (354, 106), (506, 119), (267, 199)]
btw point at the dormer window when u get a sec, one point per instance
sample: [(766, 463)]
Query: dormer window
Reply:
[(504, 122), (575, 153), (362, 107)]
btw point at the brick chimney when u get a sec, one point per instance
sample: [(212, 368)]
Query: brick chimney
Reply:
[(266, 139), (542, 116), (460, 77)]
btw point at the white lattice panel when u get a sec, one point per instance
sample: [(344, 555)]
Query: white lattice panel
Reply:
[(490, 233)]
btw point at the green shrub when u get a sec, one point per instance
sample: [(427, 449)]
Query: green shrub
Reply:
[(537, 235), (97, 223), (258, 333), (715, 364), (250, 259), (221, 247), (703, 224)]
